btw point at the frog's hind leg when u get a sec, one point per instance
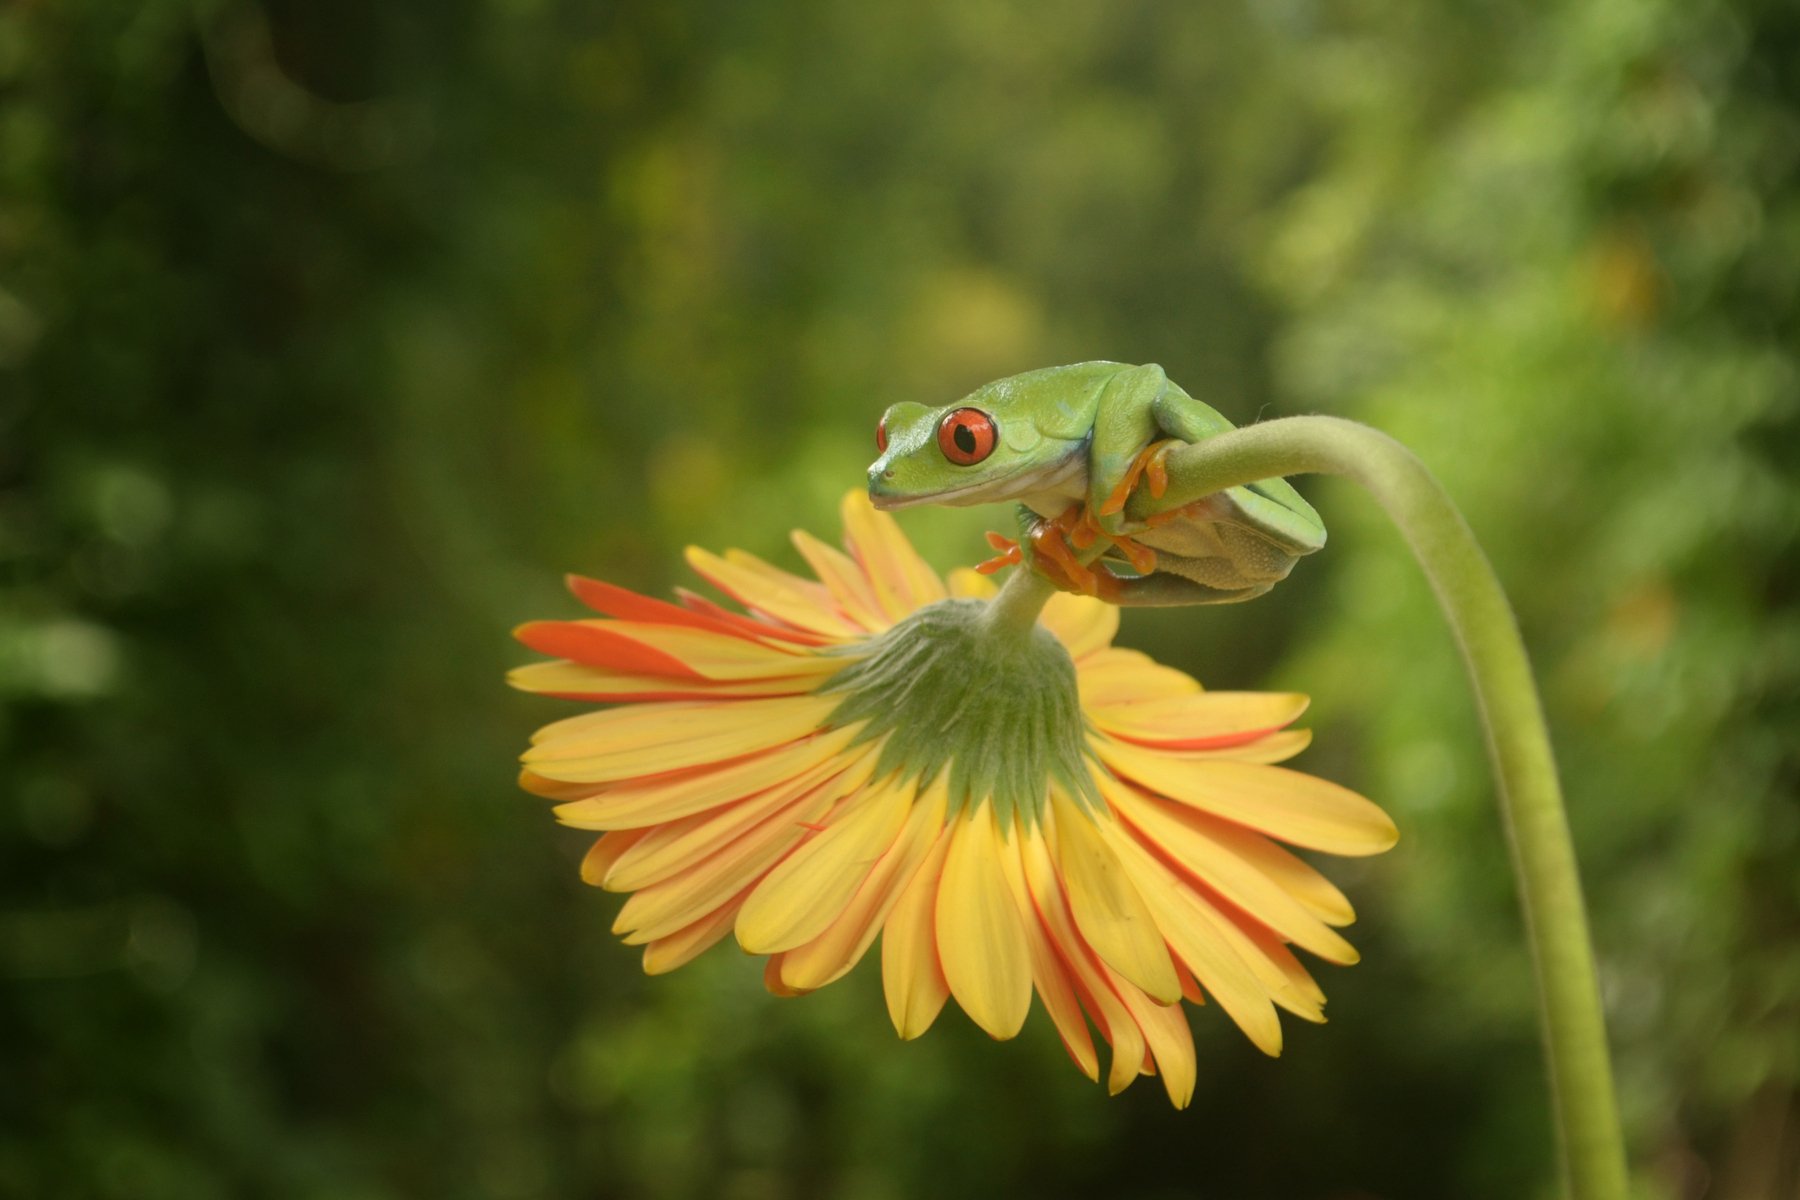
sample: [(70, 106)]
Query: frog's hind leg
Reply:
[(1166, 590)]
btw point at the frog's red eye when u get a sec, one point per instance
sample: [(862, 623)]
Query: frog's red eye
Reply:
[(881, 436), (966, 436)]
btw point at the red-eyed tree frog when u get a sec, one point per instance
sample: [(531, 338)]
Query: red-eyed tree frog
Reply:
[(1070, 444)]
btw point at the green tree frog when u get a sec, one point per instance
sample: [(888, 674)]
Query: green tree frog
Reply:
[(1070, 444)]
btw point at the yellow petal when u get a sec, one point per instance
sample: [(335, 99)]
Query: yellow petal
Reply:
[(911, 977), (604, 852), (1317, 894), (579, 681), (665, 907), (1108, 910), (552, 789), (841, 946), (1115, 676), (980, 942), (1186, 923), (797, 900), (1288, 982), (1116, 1023), (685, 945), (1169, 1040), (645, 739), (772, 978), (673, 846), (1197, 843), (1286, 804), (840, 574), (764, 589), (1083, 624), (1201, 721), (965, 584), (901, 581), (1049, 975), (654, 801)]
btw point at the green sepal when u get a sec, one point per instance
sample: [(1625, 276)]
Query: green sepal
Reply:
[(995, 706)]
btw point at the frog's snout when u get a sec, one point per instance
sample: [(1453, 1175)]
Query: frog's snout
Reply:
[(879, 492)]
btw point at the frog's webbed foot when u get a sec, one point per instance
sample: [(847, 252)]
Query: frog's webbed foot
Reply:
[(1049, 546), (1010, 553), (1053, 543)]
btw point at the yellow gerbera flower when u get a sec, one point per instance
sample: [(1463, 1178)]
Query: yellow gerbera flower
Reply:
[(865, 754)]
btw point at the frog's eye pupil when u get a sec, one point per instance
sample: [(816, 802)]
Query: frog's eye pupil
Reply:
[(966, 436), (881, 436)]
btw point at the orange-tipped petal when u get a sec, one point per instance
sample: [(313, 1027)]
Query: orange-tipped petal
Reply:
[(595, 643), (614, 601), (1204, 854), (1275, 748), (1200, 721), (1294, 807)]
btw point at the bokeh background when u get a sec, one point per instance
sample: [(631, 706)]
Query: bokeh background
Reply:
[(331, 333)]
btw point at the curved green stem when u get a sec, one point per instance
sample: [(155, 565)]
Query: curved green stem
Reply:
[(1530, 796)]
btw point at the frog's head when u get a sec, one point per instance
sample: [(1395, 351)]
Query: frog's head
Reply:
[(1008, 439)]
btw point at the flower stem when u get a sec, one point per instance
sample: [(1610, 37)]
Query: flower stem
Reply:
[(1543, 854), (1020, 599)]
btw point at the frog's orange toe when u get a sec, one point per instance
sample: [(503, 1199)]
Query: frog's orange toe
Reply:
[(1156, 469), (1141, 557), (1010, 554)]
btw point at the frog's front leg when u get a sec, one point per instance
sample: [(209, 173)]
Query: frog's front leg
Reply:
[(1048, 546), (1051, 547), (1125, 444)]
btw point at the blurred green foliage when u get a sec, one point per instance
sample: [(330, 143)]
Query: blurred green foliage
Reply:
[(331, 333)]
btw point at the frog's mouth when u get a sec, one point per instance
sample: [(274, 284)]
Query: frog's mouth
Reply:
[(1066, 474), (974, 493)]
